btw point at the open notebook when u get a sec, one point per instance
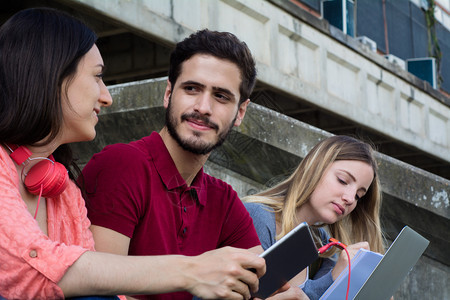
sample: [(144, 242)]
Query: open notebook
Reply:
[(377, 277)]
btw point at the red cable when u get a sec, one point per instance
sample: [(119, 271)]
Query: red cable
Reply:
[(344, 247), (39, 200), (349, 271)]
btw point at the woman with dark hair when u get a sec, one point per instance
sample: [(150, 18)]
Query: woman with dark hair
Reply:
[(335, 187), (51, 92)]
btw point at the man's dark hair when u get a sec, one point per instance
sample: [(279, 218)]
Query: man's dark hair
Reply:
[(223, 45)]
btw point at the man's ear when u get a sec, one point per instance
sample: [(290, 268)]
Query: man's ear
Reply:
[(241, 112), (167, 94)]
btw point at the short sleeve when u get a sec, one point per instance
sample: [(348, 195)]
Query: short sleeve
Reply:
[(314, 288), (264, 222), (238, 228), (116, 188)]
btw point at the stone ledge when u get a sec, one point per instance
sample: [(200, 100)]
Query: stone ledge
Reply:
[(269, 145)]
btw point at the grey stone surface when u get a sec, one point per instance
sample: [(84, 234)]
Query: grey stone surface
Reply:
[(304, 58), (427, 280)]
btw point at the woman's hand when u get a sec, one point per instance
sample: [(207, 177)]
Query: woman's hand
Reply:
[(342, 262), (288, 292)]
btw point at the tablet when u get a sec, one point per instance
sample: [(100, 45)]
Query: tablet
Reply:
[(286, 258)]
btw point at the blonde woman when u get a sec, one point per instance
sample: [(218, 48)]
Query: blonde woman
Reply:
[(335, 187)]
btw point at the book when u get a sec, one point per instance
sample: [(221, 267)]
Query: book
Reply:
[(362, 265)]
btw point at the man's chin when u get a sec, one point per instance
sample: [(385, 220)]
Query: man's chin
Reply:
[(196, 147)]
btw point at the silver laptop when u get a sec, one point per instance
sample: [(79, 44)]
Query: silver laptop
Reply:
[(400, 258)]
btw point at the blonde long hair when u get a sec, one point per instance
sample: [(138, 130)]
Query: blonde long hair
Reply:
[(362, 224)]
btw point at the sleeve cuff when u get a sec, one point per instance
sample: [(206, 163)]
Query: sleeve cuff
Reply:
[(314, 289), (52, 260)]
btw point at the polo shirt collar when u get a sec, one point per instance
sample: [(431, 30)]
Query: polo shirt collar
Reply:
[(168, 172)]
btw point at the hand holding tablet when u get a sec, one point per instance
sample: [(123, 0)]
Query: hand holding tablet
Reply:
[(285, 259)]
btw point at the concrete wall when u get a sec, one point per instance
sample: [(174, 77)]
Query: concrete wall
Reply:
[(306, 59), (269, 145)]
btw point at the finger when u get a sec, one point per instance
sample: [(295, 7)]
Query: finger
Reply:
[(366, 245), (242, 289), (236, 295), (360, 245), (284, 288), (256, 265), (250, 279)]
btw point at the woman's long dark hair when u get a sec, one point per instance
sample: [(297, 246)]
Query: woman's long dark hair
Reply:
[(39, 49)]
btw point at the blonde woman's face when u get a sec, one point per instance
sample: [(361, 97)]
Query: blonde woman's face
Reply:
[(343, 183)]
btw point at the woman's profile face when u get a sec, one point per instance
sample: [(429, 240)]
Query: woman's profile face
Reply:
[(86, 94), (343, 183)]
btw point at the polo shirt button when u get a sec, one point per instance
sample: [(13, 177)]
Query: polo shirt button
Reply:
[(185, 209), (184, 230), (33, 253)]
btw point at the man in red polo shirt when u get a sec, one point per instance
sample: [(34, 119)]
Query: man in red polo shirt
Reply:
[(151, 196)]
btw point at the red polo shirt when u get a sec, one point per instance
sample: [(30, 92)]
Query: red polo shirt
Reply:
[(135, 189)]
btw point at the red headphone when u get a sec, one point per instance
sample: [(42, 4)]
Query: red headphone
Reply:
[(47, 174)]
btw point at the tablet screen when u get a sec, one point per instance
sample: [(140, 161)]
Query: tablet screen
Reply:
[(286, 258)]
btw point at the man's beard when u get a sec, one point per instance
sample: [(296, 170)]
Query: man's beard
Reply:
[(192, 145)]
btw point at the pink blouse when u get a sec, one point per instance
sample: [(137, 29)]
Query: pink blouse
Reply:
[(32, 263)]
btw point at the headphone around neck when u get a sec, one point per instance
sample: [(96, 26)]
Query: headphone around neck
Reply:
[(48, 175)]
